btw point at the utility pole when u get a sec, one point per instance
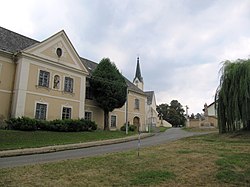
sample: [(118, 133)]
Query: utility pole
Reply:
[(126, 113)]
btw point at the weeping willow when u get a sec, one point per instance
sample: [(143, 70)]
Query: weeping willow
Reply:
[(233, 96)]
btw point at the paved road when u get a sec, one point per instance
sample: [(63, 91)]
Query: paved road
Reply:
[(160, 138)]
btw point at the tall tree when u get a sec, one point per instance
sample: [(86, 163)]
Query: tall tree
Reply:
[(162, 110), (173, 113), (233, 96), (109, 88)]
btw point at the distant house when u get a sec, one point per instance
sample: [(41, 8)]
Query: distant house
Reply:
[(49, 80), (152, 114), (211, 110), (209, 120)]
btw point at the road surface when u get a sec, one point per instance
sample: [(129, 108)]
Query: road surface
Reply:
[(160, 138)]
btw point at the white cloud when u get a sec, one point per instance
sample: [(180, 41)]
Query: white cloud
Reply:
[(15, 15), (180, 43), (239, 48), (193, 86)]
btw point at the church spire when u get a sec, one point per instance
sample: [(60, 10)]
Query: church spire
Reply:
[(138, 71), (138, 80)]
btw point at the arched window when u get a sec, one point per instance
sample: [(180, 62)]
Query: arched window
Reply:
[(136, 122)]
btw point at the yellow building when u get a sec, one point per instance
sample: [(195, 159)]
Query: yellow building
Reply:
[(49, 80), (134, 110)]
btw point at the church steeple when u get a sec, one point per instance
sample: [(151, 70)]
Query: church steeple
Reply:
[(138, 71), (138, 80)]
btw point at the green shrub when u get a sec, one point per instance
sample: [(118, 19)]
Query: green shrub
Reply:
[(42, 124), (130, 127), (23, 123), (67, 125), (88, 125), (71, 125), (3, 124), (123, 128)]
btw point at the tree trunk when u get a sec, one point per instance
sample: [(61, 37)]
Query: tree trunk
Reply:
[(106, 120), (248, 125)]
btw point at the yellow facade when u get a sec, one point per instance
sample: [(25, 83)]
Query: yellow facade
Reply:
[(120, 113), (49, 87), (48, 78), (7, 72)]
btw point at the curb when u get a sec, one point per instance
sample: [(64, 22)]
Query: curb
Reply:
[(49, 149)]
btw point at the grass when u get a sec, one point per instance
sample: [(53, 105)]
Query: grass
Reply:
[(233, 168), (22, 139), (208, 160), (151, 177), (195, 129), (163, 129)]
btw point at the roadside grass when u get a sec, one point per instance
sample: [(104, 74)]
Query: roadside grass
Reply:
[(159, 129), (196, 129), (163, 129), (207, 160), (10, 139)]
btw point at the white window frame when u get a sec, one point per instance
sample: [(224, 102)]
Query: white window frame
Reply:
[(47, 109), (66, 106), (91, 115), (113, 115), (38, 78), (64, 80)]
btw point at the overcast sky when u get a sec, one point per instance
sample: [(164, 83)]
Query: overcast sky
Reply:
[(181, 43)]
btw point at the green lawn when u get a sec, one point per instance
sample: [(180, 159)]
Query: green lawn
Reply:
[(10, 139), (163, 129), (208, 160)]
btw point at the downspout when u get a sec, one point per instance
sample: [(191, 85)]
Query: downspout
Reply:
[(126, 113), (14, 59)]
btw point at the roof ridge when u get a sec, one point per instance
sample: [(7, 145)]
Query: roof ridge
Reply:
[(82, 58), (19, 34), (11, 41)]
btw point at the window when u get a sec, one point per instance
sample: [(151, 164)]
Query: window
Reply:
[(88, 116), (43, 78), (56, 83), (66, 113), (41, 110), (89, 93), (137, 103), (68, 85), (59, 52), (113, 121)]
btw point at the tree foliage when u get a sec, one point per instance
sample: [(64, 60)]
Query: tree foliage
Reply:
[(109, 88), (173, 113), (233, 96)]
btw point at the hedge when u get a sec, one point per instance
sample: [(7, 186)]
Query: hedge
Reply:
[(130, 127), (67, 125)]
